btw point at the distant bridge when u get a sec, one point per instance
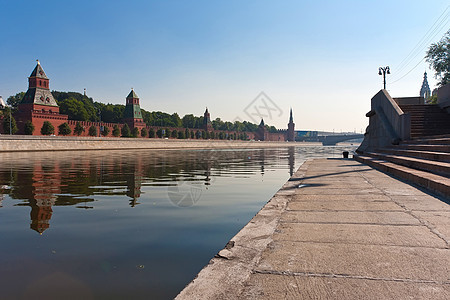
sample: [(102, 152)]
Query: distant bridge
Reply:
[(331, 140)]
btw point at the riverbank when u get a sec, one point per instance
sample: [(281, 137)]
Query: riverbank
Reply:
[(19, 143), (337, 229)]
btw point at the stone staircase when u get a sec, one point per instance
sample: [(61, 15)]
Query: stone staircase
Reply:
[(425, 159), (427, 120)]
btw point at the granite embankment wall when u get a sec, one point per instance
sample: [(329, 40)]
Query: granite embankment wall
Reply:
[(58, 143)]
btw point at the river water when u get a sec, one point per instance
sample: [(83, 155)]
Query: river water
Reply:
[(128, 224)]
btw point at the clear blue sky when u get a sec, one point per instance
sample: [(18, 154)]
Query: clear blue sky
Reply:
[(319, 57)]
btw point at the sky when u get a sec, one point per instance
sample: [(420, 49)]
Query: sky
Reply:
[(320, 58)]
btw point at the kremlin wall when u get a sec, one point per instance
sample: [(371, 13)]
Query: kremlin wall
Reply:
[(39, 106)]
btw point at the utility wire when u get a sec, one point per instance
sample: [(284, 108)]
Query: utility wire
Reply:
[(407, 73), (425, 39)]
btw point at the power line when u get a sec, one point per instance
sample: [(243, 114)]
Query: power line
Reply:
[(434, 30)]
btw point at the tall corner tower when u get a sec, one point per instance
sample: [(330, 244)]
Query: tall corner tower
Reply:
[(291, 129)]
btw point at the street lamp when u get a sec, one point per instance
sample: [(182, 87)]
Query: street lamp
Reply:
[(384, 71)]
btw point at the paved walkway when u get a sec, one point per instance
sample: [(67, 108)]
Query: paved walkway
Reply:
[(337, 230)]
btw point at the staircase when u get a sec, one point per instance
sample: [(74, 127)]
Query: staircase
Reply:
[(425, 159), (427, 120)]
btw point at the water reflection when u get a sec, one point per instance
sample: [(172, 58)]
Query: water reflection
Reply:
[(42, 181)]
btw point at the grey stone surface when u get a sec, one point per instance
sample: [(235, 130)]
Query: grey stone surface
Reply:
[(349, 232)]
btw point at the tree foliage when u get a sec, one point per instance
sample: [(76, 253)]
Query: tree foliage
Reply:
[(9, 127), (438, 56), (126, 132), (135, 132), (105, 131), (93, 130), (79, 129), (47, 128), (116, 131), (14, 101), (64, 129), (144, 132), (28, 128)]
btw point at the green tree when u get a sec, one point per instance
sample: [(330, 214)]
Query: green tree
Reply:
[(64, 129), (198, 134), (438, 56), (116, 131), (203, 135), (105, 131), (221, 135), (186, 133), (14, 101), (159, 133), (144, 132), (181, 134), (151, 133), (174, 134), (126, 132), (167, 133), (47, 128), (93, 130), (135, 132), (9, 123), (79, 129), (29, 128), (192, 134)]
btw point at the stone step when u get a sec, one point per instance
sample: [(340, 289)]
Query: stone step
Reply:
[(425, 147), (436, 167), (436, 139), (431, 155), (432, 182)]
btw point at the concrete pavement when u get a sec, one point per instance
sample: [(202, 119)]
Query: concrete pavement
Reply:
[(337, 230)]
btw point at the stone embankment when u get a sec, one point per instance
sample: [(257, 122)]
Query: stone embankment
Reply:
[(337, 229), (58, 143)]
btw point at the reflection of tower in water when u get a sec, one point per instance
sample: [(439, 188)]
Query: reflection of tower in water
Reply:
[(46, 183), (291, 160), (134, 181)]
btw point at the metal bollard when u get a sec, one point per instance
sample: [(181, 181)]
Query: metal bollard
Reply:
[(345, 154)]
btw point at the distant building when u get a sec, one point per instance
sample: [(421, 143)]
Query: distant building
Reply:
[(425, 91), (132, 114)]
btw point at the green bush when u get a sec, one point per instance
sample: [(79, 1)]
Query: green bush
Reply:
[(64, 129), (93, 130), (116, 131), (144, 132), (79, 129), (47, 128), (29, 128), (126, 132)]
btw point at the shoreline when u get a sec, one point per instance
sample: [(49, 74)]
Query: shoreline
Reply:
[(24, 143)]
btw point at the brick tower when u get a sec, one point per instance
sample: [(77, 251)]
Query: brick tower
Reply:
[(207, 125), (132, 114), (290, 131), (38, 104)]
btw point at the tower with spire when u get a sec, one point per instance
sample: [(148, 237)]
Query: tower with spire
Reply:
[(207, 125), (38, 104), (425, 91), (291, 129), (132, 114), (262, 132)]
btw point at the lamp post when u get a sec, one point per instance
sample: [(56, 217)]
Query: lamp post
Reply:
[(384, 71)]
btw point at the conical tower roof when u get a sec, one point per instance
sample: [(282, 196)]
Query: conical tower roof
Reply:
[(262, 122), (291, 119), (132, 94), (38, 71)]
